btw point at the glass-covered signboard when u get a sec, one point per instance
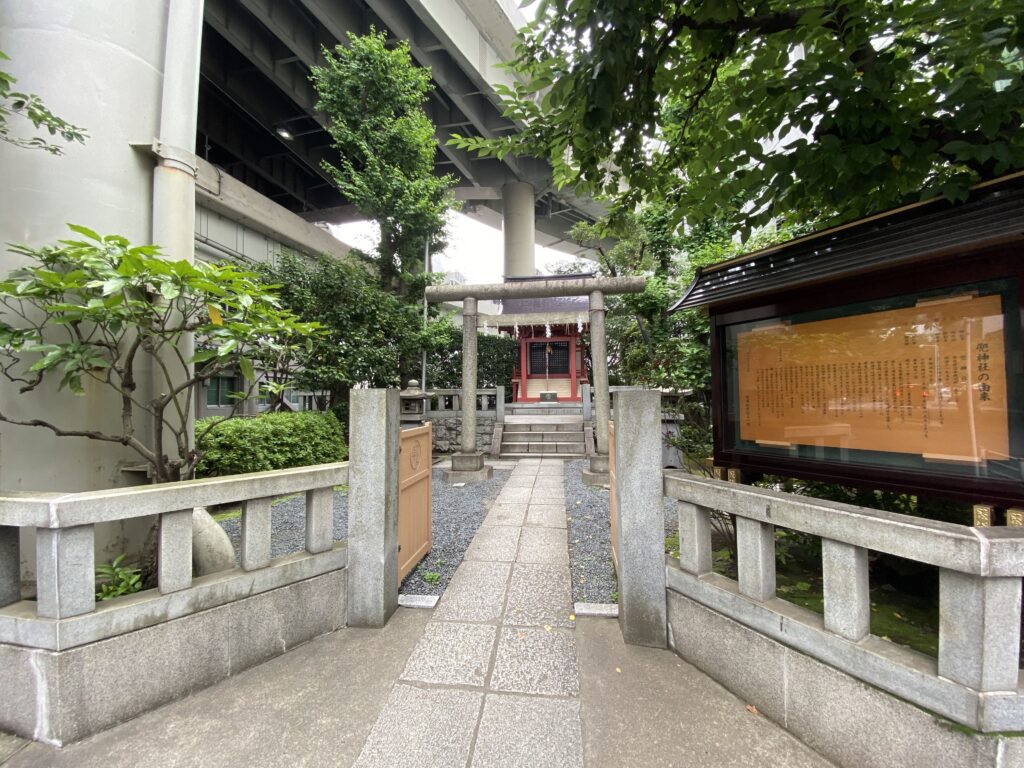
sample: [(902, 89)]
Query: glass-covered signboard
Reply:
[(923, 383)]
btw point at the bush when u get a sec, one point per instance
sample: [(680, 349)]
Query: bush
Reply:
[(269, 441), (496, 360)]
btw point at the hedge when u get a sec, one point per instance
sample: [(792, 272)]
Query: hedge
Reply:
[(269, 441)]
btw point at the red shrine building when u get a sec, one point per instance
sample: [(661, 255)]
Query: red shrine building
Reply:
[(551, 357)]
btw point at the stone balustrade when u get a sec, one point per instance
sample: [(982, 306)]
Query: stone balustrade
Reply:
[(975, 681), (449, 401), (65, 613)]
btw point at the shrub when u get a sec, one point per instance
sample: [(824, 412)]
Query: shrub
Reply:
[(269, 441)]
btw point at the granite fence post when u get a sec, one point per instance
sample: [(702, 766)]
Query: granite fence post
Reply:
[(373, 507)]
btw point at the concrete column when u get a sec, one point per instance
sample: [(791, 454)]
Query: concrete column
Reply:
[(373, 506), (65, 571), (979, 630), (638, 499), (517, 225), (847, 589), (694, 538), (256, 534), (602, 410), (10, 565), (469, 363), (755, 553), (320, 519), (174, 558)]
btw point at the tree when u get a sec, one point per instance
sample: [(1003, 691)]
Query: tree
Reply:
[(366, 330), (31, 107), (374, 97), (814, 111), (99, 312)]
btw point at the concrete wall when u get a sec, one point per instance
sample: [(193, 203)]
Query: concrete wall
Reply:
[(448, 432), (849, 722)]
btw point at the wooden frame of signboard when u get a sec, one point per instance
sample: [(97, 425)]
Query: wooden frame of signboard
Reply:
[(876, 381)]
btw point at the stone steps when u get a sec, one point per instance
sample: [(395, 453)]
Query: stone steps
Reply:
[(547, 436)]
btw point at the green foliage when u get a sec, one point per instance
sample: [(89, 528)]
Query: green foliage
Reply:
[(496, 359), (815, 111), (100, 313), (431, 577), (30, 107), (116, 579), (366, 332), (375, 95), (269, 441)]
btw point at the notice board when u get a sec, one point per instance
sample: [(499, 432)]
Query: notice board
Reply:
[(926, 380)]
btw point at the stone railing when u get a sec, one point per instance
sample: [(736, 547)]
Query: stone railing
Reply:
[(65, 622), (448, 402), (975, 681), (858, 699)]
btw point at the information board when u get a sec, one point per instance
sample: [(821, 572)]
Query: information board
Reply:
[(927, 380)]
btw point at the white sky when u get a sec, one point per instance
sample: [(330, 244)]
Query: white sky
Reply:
[(474, 248)]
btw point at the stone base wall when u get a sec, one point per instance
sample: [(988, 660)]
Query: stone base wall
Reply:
[(847, 721), (64, 696), (448, 433)]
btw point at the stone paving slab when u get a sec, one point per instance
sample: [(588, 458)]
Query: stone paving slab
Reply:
[(528, 732), (514, 495), (546, 515), (551, 470), (543, 545), (552, 482), (452, 654), (506, 514), (494, 543), (476, 593), (538, 596), (536, 661), (10, 745), (521, 481), (648, 707), (427, 728)]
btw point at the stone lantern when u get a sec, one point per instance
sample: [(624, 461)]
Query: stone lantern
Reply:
[(414, 403)]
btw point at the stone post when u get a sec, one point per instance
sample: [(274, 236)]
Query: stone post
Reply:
[(468, 464), (65, 571), (598, 472), (641, 516), (373, 507), (847, 589), (979, 630), (755, 555), (174, 559), (694, 538), (588, 406), (499, 405)]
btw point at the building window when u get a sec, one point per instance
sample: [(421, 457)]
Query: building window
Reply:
[(219, 389)]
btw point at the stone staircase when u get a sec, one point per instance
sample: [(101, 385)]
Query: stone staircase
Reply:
[(533, 435)]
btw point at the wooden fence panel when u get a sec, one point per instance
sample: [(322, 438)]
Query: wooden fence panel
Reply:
[(415, 516)]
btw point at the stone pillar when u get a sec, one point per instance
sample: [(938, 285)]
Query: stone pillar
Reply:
[(755, 555), (469, 363), (373, 507), (602, 411), (10, 565), (468, 464), (847, 589), (639, 501), (65, 571), (174, 559), (517, 225)]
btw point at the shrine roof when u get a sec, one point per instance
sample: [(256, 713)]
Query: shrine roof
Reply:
[(992, 214)]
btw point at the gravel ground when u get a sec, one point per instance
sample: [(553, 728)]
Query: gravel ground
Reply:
[(590, 552), (458, 512)]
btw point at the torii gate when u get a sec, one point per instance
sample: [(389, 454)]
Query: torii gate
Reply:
[(468, 462)]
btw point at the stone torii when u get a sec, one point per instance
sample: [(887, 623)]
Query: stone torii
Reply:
[(468, 462)]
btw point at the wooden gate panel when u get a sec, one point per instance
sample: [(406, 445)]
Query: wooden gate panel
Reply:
[(611, 495), (415, 519)]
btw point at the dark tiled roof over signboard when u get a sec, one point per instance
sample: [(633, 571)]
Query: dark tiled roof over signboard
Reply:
[(993, 213)]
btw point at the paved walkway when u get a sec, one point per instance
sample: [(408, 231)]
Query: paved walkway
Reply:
[(499, 674), (494, 679)]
